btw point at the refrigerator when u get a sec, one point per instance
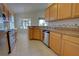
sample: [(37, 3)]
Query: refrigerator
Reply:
[(11, 33)]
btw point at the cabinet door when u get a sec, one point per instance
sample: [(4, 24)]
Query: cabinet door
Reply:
[(55, 42), (30, 33), (70, 48), (75, 10), (53, 12), (37, 34), (41, 34), (52, 41), (47, 14), (1, 7), (64, 10)]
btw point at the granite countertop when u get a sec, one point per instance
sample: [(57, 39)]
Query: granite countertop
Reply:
[(6, 30), (3, 31), (66, 31)]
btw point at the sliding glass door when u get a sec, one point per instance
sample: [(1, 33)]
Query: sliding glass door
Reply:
[(25, 23)]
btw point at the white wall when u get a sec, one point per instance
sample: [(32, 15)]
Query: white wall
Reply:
[(35, 21)]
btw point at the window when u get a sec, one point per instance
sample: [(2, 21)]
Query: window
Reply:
[(25, 23), (42, 22)]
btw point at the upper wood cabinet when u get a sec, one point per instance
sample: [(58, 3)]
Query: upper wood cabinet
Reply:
[(53, 12), (5, 10), (60, 11), (47, 14), (75, 10), (64, 10), (1, 7)]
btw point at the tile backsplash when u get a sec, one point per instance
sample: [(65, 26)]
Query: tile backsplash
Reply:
[(71, 23)]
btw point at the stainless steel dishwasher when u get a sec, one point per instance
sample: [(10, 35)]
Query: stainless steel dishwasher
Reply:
[(46, 37)]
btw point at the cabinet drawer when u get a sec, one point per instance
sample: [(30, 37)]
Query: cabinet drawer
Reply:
[(71, 38), (55, 35)]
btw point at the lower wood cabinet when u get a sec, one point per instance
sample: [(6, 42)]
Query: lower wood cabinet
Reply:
[(64, 44), (30, 32), (70, 47), (42, 34), (55, 42), (35, 33)]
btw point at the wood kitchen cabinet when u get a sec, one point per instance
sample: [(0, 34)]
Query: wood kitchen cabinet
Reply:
[(47, 14), (1, 7), (70, 46), (42, 36), (55, 42), (53, 12), (35, 33), (31, 33), (5, 10), (64, 10), (60, 11), (75, 10)]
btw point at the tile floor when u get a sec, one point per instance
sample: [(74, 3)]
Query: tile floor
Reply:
[(26, 47)]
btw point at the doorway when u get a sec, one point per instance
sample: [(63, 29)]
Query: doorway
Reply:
[(25, 23)]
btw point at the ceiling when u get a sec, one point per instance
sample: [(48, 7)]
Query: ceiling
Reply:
[(27, 7)]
